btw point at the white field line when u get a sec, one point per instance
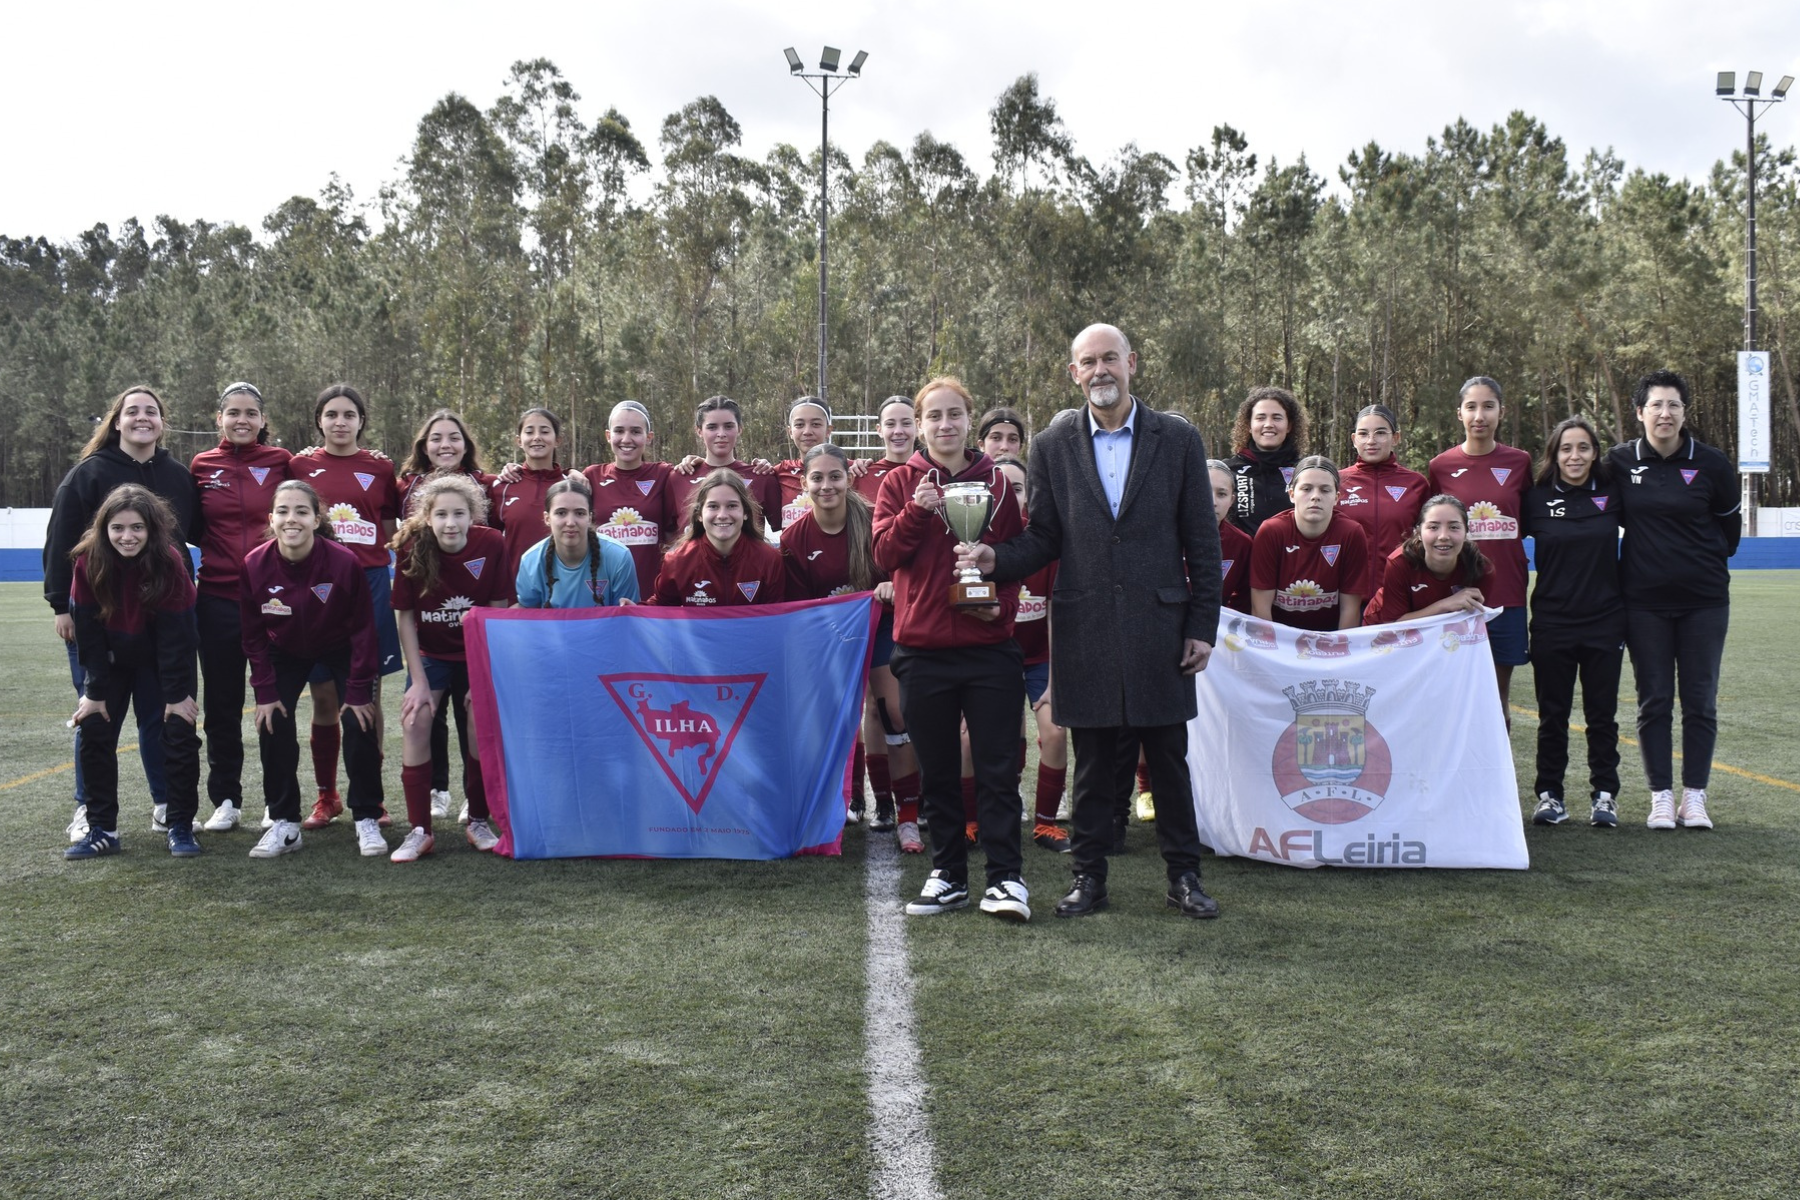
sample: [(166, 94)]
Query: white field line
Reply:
[(899, 1134)]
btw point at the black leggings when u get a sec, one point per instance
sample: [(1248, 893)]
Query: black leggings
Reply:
[(281, 745), (100, 749)]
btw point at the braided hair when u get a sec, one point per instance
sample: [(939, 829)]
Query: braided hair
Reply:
[(579, 486)]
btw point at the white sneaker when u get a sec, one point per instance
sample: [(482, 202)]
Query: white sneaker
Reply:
[(1662, 810), (283, 838), (159, 818), (78, 828), (481, 835), (225, 817), (1692, 813), (1008, 899), (462, 818), (268, 821), (908, 837), (440, 805), (369, 841), (417, 845)]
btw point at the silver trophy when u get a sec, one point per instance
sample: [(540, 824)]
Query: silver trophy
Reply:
[(968, 507)]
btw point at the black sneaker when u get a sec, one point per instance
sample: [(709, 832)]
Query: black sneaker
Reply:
[(1606, 812), (941, 894), (1549, 810), (883, 820)]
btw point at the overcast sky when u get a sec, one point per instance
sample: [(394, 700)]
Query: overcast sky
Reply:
[(223, 111)]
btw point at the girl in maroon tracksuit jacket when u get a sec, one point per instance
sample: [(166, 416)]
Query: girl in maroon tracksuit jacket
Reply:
[(955, 664), (306, 603), (133, 610), (722, 558)]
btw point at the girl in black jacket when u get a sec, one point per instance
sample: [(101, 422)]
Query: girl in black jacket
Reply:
[(1267, 439)]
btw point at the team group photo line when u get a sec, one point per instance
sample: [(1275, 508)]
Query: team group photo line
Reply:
[(1070, 586)]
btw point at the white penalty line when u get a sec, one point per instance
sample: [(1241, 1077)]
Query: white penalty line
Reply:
[(899, 1134)]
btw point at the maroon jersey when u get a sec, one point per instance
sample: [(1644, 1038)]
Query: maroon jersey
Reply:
[(1031, 625), (1406, 589), (791, 475), (304, 609), (359, 492), (1234, 568), (641, 509), (1492, 486), (695, 574), (237, 488), (518, 510), (1385, 500), (818, 563), (868, 484), (1308, 575), (130, 617), (765, 489), (472, 577)]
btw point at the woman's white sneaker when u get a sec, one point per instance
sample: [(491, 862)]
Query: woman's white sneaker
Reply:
[(1692, 813), (481, 835), (283, 838), (417, 845), (225, 817), (1662, 810), (369, 842)]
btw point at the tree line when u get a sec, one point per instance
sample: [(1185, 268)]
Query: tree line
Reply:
[(526, 256)]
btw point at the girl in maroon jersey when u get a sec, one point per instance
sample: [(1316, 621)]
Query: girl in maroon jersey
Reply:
[(719, 423), (722, 558), (236, 481), (448, 564), (361, 502), (635, 500), (808, 425), (443, 446), (516, 497), (1378, 493), (1435, 570), (892, 768), (1308, 565), (306, 604), (133, 610)]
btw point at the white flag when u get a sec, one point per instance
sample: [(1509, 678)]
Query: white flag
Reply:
[(1375, 747)]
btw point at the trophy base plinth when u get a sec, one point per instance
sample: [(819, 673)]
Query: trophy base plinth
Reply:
[(974, 595)]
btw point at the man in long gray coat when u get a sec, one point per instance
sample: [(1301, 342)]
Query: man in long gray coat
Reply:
[(1121, 495)]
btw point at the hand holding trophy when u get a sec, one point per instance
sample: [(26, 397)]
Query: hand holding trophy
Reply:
[(967, 508)]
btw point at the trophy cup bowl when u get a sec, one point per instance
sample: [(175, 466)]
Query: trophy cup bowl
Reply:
[(967, 509)]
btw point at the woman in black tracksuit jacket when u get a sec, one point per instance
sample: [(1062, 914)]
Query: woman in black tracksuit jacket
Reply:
[(1577, 618), (1267, 439), (1682, 524)]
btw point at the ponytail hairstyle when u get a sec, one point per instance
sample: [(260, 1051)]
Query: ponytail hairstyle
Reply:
[(421, 464), (859, 521), (1003, 415), (692, 529), (421, 563), (555, 425), (1317, 462), (1470, 559), (106, 433), (581, 487), (106, 567), (241, 388), (325, 530)]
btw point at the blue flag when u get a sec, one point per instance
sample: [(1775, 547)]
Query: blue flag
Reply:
[(669, 732)]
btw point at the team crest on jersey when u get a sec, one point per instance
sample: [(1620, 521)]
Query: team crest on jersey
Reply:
[(475, 565), (1225, 565), (644, 485), (1688, 476), (1396, 493), (687, 722), (1287, 476), (750, 589), (365, 479), (1331, 554), (1331, 765), (1500, 474), (1600, 502), (322, 591), (259, 474)]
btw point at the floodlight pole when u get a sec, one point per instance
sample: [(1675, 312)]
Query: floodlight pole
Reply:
[(828, 81)]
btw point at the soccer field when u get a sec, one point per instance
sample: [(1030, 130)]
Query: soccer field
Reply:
[(1616, 1021)]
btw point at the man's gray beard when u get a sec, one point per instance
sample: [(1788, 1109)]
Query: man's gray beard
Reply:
[(1106, 395)]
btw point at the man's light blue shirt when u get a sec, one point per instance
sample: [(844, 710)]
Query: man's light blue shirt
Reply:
[(1112, 454)]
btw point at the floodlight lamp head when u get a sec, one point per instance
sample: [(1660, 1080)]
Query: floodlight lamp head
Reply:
[(1727, 83), (828, 61), (1781, 89), (862, 56), (1753, 83), (794, 64)]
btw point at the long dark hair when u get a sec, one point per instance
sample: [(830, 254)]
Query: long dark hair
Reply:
[(421, 563), (1473, 562), (420, 463), (106, 433), (579, 486), (325, 530), (692, 529), (1241, 440), (1549, 472), (348, 393), (106, 567), (859, 521)]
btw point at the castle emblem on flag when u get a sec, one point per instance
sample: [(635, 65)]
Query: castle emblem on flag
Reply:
[(1331, 765)]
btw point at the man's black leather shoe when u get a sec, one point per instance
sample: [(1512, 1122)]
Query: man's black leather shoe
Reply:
[(1186, 897), (1087, 897)]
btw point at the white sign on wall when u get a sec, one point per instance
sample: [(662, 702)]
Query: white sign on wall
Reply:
[(1753, 411)]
